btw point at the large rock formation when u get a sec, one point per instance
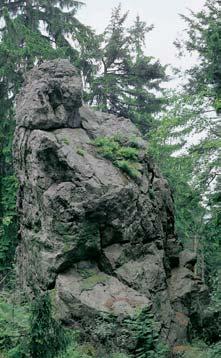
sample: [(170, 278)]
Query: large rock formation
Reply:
[(103, 240)]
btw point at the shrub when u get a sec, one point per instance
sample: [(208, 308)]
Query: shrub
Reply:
[(146, 333), (13, 324), (75, 351), (128, 153), (108, 147), (200, 349)]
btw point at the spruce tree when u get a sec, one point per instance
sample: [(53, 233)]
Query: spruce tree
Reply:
[(204, 87), (193, 171), (127, 80), (204, 39)]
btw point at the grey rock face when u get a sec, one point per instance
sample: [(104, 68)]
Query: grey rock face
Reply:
[(51, 97), (103, 241)]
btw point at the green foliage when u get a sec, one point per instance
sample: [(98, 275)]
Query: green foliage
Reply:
[(201, 350), (47, 337), (81, 152), (146, 333), (127, 80), (215, 350), (204, 38), (8, 223), (132, 142), (129, 168), (193, 174), (178, 170), (192, 171), (122, 152), (14, 321), (65, 141), (119, 79), (107, 146), (31, 331), (105, 329), (128, 153), (76, 350)]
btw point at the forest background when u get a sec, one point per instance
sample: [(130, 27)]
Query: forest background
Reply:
[(121, 76)]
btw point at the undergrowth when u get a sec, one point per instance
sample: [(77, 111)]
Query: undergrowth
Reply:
[(146, 333), (202, 350)]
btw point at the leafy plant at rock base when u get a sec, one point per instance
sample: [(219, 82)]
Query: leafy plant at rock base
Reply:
[(200, 349), (146, 333), (14, 324), (122, 152), (76, 350), (47, 336), (33, 332)]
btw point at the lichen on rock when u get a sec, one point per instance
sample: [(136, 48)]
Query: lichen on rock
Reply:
[(104, 241)]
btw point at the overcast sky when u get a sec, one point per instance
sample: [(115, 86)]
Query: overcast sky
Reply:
[(164, 14)]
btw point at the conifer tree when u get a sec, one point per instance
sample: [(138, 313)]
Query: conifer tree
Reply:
[(204, 89), (127, 79), (204, 38), (193, 172)]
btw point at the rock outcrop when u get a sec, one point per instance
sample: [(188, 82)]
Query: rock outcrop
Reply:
[(101, 238)]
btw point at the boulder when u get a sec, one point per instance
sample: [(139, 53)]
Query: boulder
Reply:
[(102, 237)]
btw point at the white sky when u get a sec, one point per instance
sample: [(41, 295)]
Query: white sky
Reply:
[(164, 14)]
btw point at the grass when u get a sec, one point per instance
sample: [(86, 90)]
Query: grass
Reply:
[(65, 141), (128, 167), (123, 152), (81, 152)]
